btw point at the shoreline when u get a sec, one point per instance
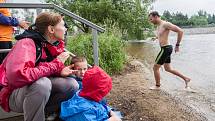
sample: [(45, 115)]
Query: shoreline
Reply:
[(131, 96)]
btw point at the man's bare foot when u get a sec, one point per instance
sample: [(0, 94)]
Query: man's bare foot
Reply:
[(188, 89), (154, 88), (187, 80)]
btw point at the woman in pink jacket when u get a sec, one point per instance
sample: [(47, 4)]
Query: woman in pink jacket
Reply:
[(33, 75)]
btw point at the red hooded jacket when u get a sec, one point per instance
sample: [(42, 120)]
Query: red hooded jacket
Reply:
[(18, 68), (96, 84)]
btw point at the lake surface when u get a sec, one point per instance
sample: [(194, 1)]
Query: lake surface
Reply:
[(196, 59)]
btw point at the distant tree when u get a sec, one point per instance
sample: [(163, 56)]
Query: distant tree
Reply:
[(197, 20), (167, 15), (180, 19), (211, 19), (177, 18), (202, 13)]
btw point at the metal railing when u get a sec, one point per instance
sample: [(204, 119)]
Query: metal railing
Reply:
[(95, 28)]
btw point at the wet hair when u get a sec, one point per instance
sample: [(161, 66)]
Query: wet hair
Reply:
[(154, 13), (77, 59), (46, 19)]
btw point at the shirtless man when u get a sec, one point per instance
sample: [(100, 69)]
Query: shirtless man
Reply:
[(164, 56)]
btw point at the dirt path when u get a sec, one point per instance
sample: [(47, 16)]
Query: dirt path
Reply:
[(130, 95)]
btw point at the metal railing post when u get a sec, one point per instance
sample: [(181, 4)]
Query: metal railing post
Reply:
[(95, 47)]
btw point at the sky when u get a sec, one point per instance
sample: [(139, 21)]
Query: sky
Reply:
[(189, 7)]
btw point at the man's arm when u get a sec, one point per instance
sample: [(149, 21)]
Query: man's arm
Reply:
[(10, 21), (176, 29)]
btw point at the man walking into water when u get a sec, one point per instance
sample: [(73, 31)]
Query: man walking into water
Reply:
[(164, 56)]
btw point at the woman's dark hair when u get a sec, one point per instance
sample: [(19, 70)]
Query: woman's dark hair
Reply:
[(154, 13)]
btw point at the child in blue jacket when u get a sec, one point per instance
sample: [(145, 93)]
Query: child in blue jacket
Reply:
[(85, 105)]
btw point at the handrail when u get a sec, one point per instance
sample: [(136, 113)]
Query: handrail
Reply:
[(95, 28), (52, 6), (4, 50)]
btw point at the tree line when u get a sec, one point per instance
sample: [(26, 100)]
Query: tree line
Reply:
[(202, 18)]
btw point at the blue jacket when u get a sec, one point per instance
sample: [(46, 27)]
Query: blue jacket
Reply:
[(80, 109), (79, 80), (10, 21)]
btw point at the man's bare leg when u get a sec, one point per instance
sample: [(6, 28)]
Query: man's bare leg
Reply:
[(156, 70), (175, 72)]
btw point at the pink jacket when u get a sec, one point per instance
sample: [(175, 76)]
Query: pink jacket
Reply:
[(18, 69)]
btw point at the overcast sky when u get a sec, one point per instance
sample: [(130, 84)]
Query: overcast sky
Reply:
[(185, 6), (189, 7)]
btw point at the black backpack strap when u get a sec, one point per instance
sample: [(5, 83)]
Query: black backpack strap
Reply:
[(39, 53), (48, 54), (1, 87), (38, 46)]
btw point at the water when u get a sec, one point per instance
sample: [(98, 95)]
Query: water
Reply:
[(196, 60)]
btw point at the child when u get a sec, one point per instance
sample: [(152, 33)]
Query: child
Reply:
[(85, 104), (79, 64)]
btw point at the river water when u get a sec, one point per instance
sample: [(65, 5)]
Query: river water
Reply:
[(196, 59)]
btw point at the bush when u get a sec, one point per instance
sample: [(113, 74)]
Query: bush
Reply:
[(111, 50)]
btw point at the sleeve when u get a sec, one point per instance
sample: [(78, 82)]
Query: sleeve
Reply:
[(89, 115), (10, 21), (94, 115), (109, 109), (83, 116), (20, 65)]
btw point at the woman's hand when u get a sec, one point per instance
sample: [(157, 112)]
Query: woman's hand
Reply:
[(63, 56), (66, 71)]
